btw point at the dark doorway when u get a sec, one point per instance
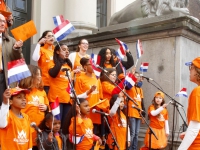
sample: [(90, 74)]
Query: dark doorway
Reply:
[(21, 10)]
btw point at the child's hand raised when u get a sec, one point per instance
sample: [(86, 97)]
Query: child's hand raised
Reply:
[(91, 89), (50, 137), (6, 96), (164, 105)]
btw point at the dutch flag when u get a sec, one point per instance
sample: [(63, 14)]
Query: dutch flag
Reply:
[(96, 59), (58, 20), (130, 80), (55, 109), (182, 93), (144, 67), (139, 49), (17, 70), (120, 53), (123, 45), (62, 30), (78, 140), (96, 70)]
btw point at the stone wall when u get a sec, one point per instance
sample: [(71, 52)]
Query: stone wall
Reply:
[(194, 8)]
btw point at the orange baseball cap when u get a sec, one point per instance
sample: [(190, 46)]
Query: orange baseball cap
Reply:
[(160, 94), (195, 62), (17, 90)]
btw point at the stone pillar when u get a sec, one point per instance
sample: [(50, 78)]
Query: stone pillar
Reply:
[(82, 14)]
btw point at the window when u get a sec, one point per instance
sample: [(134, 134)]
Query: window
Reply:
[(101, 13)]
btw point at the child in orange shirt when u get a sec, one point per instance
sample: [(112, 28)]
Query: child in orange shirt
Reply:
[(118, 123), (84, 126), (52, 137), (37, 101), (158, 117), (58, 80), (15, 132), (191, 138)]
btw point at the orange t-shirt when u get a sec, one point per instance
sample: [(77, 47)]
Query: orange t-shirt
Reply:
[(119, 130), (34, 98), (77, 61), (46, 55), (108, 65), (107, 88), (59, 140), (155, 121), (83, 83), (193, 114), (2, 5), (83, 127), (136, 94), (17, 134), (58, 85)]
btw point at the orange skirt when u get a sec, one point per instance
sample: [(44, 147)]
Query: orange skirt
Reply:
[(156, 144)]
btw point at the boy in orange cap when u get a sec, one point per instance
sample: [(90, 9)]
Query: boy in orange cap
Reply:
[(14, 126), (191, 138)]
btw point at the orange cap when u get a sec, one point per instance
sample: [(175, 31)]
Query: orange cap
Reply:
[(17, 90), (160, 94), (195, 62)]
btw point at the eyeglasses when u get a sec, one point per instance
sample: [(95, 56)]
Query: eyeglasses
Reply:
[(85, 43), (49, 36), (114, 75)]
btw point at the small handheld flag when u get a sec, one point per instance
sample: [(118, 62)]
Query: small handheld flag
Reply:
[(55, 109), (144, 67), (96, 59), (58, 20), (139, 49), (182, 93), (120, 53), (78, 140), (62, 30), (123, 45), (96, 70), (17, 70), (130, 80)]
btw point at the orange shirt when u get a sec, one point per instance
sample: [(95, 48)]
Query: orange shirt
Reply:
[(108, 65), (58, 85), (59, 140), (77, 61), (119, 131), (136, 94), (17, 134), (155, 121), (107, 88), (83, 83), (83, 127), (46, 55), (2, 5), (193, 114), (34, 98)]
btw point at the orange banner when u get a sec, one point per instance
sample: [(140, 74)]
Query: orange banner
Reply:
[(24, 31)]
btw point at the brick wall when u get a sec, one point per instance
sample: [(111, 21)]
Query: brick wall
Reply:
[(194, 8)]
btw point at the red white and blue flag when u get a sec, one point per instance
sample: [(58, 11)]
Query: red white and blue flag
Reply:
[(58, 20), (130, 80), (76, 138), (17, 70), (123, 45), (120, 53), (96, 70), (182, 93), (69, 88), (139, 49), (62, 30), (55, 109), (144, 67), (96, 59)]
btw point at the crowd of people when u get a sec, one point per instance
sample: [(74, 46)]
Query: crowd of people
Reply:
[(28, 101)]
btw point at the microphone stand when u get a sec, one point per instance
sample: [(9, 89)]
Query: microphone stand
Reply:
[(128, 98), (40, 140), (150, 130), (175, 103), (115, 141), (76, 101)]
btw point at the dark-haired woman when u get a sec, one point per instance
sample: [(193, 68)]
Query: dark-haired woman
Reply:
[(43, 54), (109, 60), (58, 81)]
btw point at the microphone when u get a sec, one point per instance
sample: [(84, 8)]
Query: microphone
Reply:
[(99, 112), (65, 69), (147, 78), (97, 66), (33, 125), (133, 106)]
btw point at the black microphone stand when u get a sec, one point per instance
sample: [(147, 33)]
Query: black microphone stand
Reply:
[(175, 104), (40, 139), (128, 99), (115, 141), (150, 130), (76, 101)]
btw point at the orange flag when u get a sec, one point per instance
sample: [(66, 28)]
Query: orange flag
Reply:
[(24, 31)]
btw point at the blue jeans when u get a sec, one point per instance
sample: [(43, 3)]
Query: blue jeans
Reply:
[(64, 108), (134, 130)]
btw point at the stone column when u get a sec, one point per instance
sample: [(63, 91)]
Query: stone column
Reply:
[(82, 14)]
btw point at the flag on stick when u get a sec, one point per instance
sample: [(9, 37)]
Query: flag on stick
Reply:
[(139, 49), (55, 109), (144, 67), (182, 93), (130, 80), (58, 20)]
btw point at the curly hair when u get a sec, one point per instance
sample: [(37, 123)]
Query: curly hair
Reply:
[(102, 53)]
